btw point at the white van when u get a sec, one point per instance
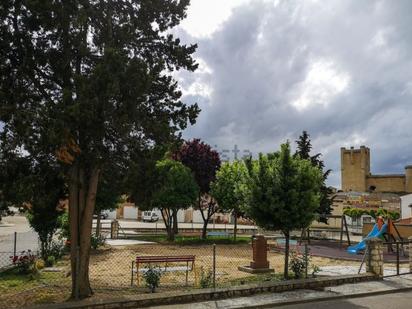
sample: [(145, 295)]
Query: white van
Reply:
[(150, 216)]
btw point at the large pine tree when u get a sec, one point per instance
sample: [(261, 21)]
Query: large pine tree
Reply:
[(89, 82), (304, 148)]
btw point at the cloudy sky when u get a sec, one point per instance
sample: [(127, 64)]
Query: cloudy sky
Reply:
[(342, 70)]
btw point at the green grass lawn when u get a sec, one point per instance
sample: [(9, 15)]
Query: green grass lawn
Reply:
[(11, 281), (195, 240), (21, 289)]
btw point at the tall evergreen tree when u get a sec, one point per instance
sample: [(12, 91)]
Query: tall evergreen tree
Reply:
[(304, 147), (88, 82)]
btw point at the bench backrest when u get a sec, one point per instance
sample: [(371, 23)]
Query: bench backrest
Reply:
[(165, 258)]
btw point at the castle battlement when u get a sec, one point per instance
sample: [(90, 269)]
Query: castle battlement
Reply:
[(357, 176)]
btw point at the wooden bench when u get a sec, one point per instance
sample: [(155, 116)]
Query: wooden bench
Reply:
[(167, 260)]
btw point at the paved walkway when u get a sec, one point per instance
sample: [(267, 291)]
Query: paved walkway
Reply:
[(401, 300), (304, 297)]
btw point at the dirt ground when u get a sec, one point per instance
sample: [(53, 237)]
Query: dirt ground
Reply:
[(112, 267), (111, 271)]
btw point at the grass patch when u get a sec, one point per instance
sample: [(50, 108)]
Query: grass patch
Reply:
[(11, 281), (195, 240)]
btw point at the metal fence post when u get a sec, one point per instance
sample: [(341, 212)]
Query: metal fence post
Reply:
[(397, 258), (15, 244), (214, 266), (306, 261)]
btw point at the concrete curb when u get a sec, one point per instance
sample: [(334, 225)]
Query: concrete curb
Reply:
[(150, 300)]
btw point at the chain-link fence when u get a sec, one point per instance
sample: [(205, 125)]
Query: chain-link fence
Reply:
[(13, 244), (120, 270)]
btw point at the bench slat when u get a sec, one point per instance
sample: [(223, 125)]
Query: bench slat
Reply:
[(167, 269), (154, 259)]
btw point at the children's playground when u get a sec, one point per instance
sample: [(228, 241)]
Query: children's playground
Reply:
[(343, 248)]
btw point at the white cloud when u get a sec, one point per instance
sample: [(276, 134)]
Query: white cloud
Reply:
[(206, 16), (322, 83)]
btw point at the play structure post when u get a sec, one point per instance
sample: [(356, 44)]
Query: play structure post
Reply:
[(374, 262), (410, 253)]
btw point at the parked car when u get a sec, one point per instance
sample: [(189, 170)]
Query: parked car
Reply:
[(103, 215), (150, 216)]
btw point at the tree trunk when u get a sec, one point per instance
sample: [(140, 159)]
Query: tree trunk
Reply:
[(98, 224), (286, 269), (235, 228), (82, 198), (175, 224), (204, 229), (167, 216)]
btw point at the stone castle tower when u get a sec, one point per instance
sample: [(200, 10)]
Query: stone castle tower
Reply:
[(356, 174)]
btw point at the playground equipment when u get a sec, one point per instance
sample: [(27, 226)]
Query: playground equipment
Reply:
[(342, 230), (386, 231), (376, 232)]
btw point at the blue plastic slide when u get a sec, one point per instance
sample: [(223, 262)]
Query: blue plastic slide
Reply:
[(362, 245)]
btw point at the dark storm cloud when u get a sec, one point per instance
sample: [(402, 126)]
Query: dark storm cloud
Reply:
[(348, 61)]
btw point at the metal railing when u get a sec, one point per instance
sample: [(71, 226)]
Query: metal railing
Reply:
[(396, 256)]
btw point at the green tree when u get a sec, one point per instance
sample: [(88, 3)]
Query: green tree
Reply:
[(230, 189), (204, 163), (304, 147), (38, 188), (88, 82), (175, 189), (46, 190), (284, 193)]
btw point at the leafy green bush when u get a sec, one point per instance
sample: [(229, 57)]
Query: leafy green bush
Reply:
[(97, 241), (152, 277), (358, 212), (315, 270), (50, 261), (64, 225), (206, 279), (56, 249), (298, 264)]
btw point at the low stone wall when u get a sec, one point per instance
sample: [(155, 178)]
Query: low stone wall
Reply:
[(148, 300)]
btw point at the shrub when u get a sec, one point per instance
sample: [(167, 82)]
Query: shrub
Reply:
[(40, 264), (152, 278), (25, 262), (50, 261), (56, 249), (64, 225), (297, 264), (97, 241), (315, 270), (206, 279)]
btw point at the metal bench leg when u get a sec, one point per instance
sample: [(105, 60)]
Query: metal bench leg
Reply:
[(187, 270), (194, 271), (137, 274), (131, 279)]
